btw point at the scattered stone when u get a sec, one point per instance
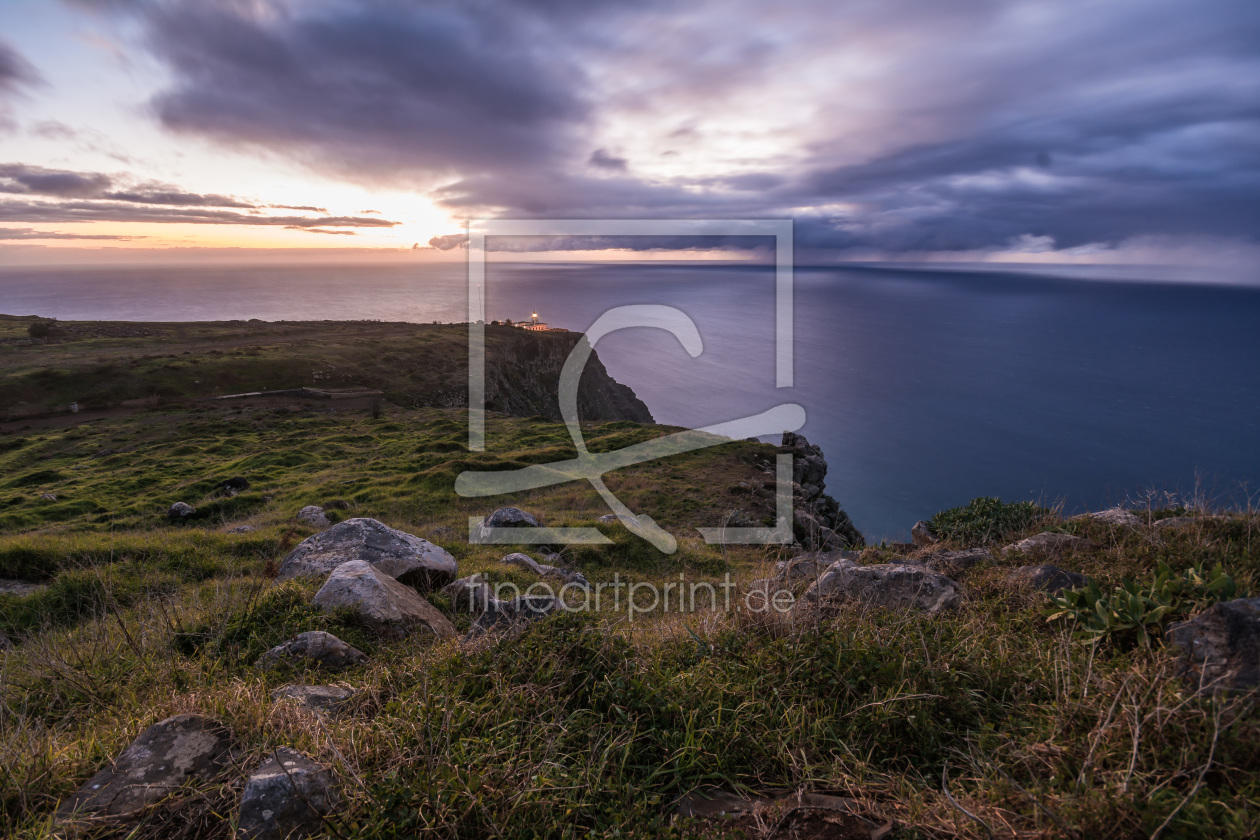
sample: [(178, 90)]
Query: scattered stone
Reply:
[(1221, 646), (1045, 578), (808, 567), (382, 602), (48, 497), (1116, 516), (529, 564), (506, 517), (408, 559), (235, 484), (242, 529), (954, 563), (20, 588), (167, 755), (888, 585), (502, 616), (471, 594), (1049, 544), (180, 511), (337, 504), (313, 515), (314, 648), (320, 698), (1178, 522), (287, 797), (922, 535)]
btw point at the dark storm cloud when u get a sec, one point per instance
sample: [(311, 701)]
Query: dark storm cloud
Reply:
[(14, 70), (36, 180), (900, 126)]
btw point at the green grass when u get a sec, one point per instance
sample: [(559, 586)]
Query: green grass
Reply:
[(986, 520)]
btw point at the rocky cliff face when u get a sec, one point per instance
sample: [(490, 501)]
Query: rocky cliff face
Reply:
[(523, 378)]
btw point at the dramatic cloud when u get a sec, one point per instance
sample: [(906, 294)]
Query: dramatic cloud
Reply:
[(7, 234), (105, 211), (36, 180), (148, 194), (895, 126), (14, 70)]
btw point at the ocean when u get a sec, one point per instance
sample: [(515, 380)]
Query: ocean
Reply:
[(924, 387)]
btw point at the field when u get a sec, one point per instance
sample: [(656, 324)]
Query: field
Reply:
[(985, 720)]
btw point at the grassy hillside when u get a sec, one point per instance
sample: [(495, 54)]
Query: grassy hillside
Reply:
[(988, 720)]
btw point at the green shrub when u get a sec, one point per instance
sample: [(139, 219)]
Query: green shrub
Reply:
[(1133, 614), (986, 520)]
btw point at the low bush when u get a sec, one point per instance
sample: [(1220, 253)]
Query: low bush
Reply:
[(986, 519)]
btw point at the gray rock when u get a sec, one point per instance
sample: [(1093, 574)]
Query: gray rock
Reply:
[(885, 585), (313, 515), (922, 535), (1220, 647), (337, 504), (180, 511), (1178, 522), (955, 563), (408, 559), (1116, 516), (48, 497), (241, 529), (166, 756), (314, 648), (506, 517), (808, 567), (529, 564), (320, 698), (818, 523), (287, 797), (1046, 578), (469, 594), (1049, 544), (20, 588), (235, 484), (502, 616), (381, 602)]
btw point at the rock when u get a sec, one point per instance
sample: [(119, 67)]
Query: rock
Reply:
[(955, 563), (180, 511), (337, 504), (470, 594), (20, 588), (241, 529), (382, 602), (885, 585), (502, 616), (524, 561), (320, 698), (5, 644), (1046, 578), (313, 648), (1220, 647), (817, 520), (1116, 516), (506, 517), (235, 484), (1178, 522), (313, 515), (922, 535), (48, 497), (408, 559), (1049, 544), (167, 755), (808, 567), (287, 797)]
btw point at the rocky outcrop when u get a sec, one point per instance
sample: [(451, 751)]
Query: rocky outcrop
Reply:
[(469, 594), (313, 516), (381, 602), (922, 535), (408, 559), (888, 585), (166, 756), (287, 797), (1045, 578), (315, 649), (1049, 544), (953, 564), (180, 512), (1220, 647), (503, 616), (529, 564), (319, 698), (817, 520)]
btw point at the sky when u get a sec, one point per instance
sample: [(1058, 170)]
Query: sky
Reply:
[(1123, 131)]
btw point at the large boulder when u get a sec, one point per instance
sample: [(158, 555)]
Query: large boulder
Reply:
[(166, 756), (314, 516), (180, 511), (1045, 578), (319, 698), (287, 797), (381, 602), (889, 585), (408, 559), (1220, 647), (1049, 544), (504, 517), (502, 616), (529, 564), (314, 648), (469, 594)]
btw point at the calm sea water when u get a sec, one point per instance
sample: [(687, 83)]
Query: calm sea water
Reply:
[(924, 388)]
